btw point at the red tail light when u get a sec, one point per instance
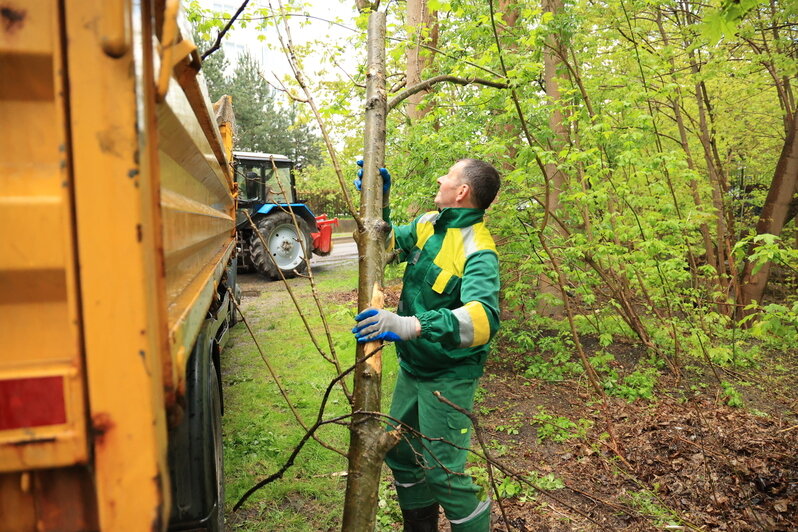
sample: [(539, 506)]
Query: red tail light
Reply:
[(32, 402)]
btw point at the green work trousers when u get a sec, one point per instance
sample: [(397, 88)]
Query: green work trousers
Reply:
[(431, 470)]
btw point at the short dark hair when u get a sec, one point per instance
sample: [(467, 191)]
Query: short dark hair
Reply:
[(483, 180)]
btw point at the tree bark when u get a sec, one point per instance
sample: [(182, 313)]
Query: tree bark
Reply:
[(510, 13), (368, 440), (775, 211), (423, 25), (425, 85), (552, 61), (366, 5)]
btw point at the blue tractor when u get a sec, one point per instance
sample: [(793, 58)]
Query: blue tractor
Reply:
[(267, 192)]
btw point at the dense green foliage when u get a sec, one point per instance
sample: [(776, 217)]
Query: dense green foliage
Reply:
[(634, 189), (671, 142), (654, 157)]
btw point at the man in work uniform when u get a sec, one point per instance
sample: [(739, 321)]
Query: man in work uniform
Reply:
[(447, 315)]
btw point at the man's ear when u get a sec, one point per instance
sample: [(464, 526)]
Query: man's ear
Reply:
[(464, 193)]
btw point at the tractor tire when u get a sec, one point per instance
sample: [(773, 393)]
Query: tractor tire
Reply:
[(285, 252)]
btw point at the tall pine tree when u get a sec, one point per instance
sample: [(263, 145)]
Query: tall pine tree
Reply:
[(262, 124)]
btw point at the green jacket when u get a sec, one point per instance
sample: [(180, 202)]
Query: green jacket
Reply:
[(451, 284)]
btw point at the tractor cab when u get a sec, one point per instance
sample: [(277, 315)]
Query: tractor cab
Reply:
[(264, 178)]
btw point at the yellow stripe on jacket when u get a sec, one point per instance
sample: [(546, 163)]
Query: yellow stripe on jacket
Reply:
[(473, 324)]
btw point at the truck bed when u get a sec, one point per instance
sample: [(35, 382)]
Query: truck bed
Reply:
[(117, 220)]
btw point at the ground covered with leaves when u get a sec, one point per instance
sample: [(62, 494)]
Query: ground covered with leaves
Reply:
[(683, 459)]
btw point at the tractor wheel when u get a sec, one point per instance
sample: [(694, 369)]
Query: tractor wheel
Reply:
[(284, 248)]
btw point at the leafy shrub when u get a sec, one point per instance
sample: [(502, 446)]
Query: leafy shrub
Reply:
[(638, 384), (733, 397), (559, 428)]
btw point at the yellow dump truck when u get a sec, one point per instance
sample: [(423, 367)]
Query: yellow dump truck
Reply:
[(117, 236)]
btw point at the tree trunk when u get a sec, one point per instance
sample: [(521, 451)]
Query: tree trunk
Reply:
[(552, 54), (775, 211), (423, 25), (716, 178), (368, 440), (510, 131), (676, 106)]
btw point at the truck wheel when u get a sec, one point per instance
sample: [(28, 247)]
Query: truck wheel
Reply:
[(196, 462), (217, 523), (285, 250)]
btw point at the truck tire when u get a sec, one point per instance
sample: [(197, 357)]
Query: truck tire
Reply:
[(285, 250), (215, 433), (196, 461)]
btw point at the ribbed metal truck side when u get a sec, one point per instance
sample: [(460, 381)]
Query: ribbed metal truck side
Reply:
[(117, 224)]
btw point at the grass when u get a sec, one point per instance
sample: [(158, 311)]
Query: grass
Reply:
[(260, 432)]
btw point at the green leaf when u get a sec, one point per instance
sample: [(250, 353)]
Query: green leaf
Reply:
[(723, 21), (439, 5)]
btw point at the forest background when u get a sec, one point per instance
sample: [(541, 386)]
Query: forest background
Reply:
[(649, 159)]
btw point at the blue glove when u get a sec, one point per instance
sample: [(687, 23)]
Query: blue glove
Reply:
[(373, 325), (386, 178)]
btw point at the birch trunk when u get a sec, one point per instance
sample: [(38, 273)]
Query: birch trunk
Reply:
[(368, 440)]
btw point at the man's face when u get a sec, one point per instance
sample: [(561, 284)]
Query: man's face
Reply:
[(450, 185)]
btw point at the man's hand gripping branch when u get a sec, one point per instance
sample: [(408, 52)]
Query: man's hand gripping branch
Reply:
[(374, 324), (386, 182)]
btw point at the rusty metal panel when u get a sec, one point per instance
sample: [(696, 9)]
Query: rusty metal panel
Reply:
[(64, 500), (16, 504), (42, 403), (119, 242)]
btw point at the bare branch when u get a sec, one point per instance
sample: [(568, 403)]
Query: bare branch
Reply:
[(393, 39), (277, 380), (485, 451), (299, 76), (399, 84), (303, 15), (319, 422), (351, 79), (333, 357), (314, 290), (427, 83), (223, 31), (282, 88)]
